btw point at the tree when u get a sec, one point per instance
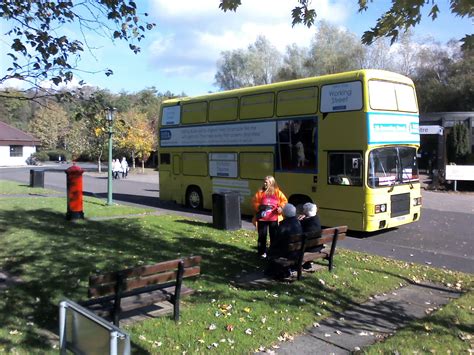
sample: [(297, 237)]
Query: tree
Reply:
[(41, 46), (14, 109), (77, 140), (232, 70), (458, 143), (444, 79), (379, 55), (403, 15), (293, 66), (92, 110), (334, 50), (257, 65), (49, 125), (136, 136)]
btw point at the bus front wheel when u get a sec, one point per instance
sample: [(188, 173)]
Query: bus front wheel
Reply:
[(194, 198)]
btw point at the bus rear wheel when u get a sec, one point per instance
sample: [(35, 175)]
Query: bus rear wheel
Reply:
[(194, 198)]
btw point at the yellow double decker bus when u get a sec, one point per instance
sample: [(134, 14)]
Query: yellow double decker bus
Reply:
[(347, 142)]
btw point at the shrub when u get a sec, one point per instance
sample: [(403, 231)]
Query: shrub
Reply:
[(55, 154), (41, 156)]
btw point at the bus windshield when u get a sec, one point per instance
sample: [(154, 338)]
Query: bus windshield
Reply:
[(393, 165)]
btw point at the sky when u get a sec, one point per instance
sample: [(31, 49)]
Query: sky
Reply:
[(180, 54)]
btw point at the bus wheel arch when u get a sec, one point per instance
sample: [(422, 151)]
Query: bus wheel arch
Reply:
[(194, 197), (298, 200)]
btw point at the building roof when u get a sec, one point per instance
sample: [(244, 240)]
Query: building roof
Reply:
[(13, 136)]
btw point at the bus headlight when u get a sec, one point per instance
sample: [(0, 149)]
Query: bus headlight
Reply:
[(417, 201), (381, 208)]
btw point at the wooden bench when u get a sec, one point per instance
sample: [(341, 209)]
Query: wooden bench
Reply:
[(134, 288), (301, 244)]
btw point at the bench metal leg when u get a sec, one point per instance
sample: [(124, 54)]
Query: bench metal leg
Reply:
[(177, 291)]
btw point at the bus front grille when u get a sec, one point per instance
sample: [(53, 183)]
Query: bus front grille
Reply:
[(400, 205)]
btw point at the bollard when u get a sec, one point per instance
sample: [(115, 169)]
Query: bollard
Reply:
[(74, 193)]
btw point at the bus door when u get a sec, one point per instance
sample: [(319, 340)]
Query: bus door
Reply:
[(342, 199)]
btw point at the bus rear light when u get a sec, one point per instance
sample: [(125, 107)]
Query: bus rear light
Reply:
[(381, 208), (417, 201)]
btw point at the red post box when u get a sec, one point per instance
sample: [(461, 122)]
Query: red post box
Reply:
[(74, 192)]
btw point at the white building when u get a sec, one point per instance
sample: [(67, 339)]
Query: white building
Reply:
[(15, 146)]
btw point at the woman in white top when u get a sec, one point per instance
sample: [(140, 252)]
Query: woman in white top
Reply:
[(124, 165), (116, 168)]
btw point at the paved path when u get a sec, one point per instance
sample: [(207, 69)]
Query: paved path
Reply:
[(363, 325)]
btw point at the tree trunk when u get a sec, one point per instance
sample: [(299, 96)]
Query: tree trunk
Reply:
[(143, 166), (133, 160), (99, 158)]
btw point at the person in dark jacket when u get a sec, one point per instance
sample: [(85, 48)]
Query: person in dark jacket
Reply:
[(279, 247), (310, 223)]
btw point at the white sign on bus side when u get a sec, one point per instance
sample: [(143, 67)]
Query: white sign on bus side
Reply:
[(171, 115), (341, 97), (238, 134)]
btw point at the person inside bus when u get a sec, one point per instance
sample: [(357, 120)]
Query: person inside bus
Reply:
[(310, 223), (279, 245), (267, 203)]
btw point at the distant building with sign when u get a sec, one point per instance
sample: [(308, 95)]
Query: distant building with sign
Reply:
[(434, 129)]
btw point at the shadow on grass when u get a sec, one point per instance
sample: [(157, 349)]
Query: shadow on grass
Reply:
[(54, 258)]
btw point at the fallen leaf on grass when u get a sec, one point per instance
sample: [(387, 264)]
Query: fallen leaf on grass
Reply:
[(284, 336), (212, 327), (464, 336), (248, 331), (229, 327)]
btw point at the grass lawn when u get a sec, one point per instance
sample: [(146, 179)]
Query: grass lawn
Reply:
[(15, 188), (54, 258)]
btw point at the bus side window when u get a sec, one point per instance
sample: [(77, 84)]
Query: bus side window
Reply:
[(344, 168), (165, 158)]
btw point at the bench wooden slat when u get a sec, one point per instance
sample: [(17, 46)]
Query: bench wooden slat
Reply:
[(302, 243), (311, 243), (143, 270), (139, 301), (114, 292), (130, 284)]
